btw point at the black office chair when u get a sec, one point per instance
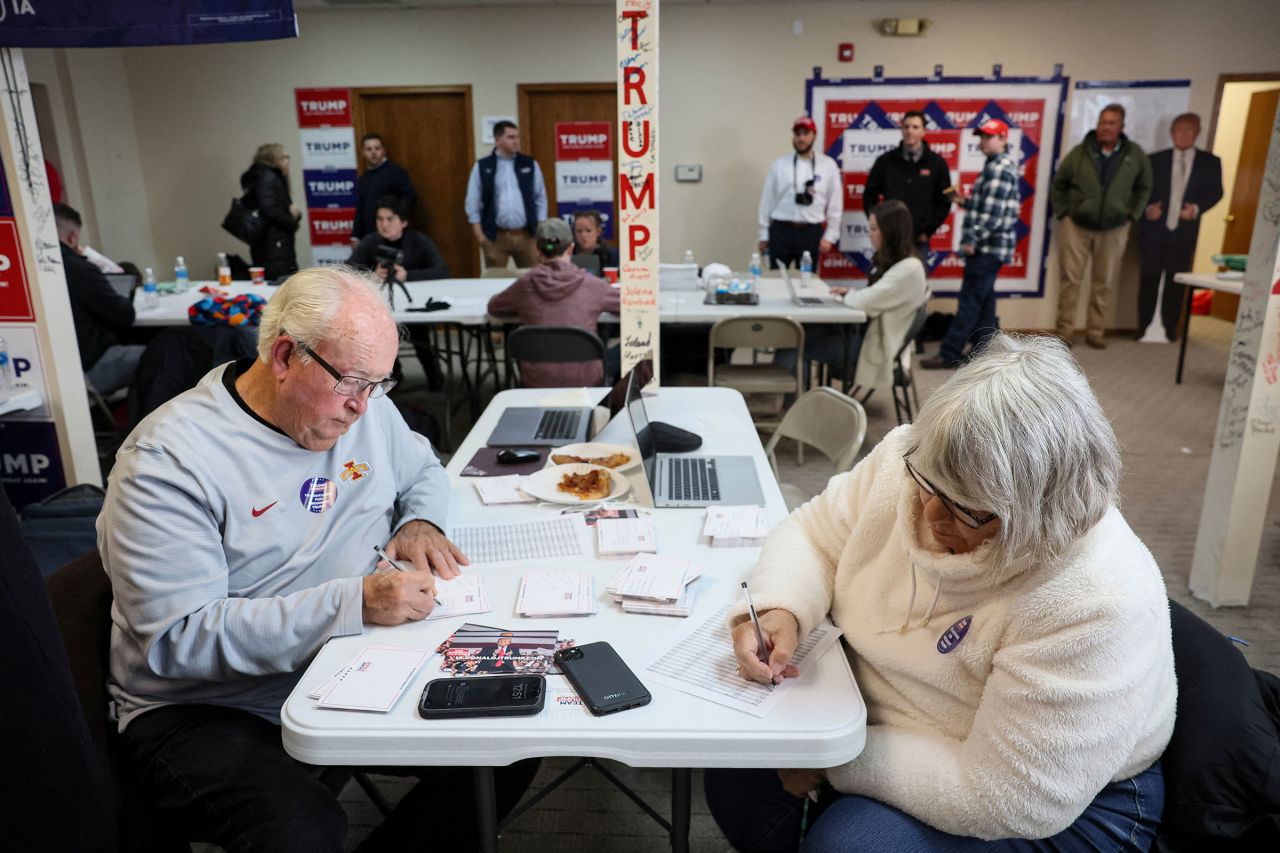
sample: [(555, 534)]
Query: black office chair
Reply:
[(554, 345), (904, 382), (81, 596)]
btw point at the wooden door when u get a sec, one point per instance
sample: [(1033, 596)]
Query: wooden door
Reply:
[(1243, 208), (543, 104), (428, 131)]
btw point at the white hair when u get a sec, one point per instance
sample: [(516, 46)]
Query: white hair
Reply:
[(1018, 432), (305, 305)]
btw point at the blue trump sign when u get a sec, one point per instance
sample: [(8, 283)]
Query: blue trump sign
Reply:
[(119, 23), (330, 187)]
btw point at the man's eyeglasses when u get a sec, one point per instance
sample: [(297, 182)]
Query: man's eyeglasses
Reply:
[(961, 513), (349, 386)]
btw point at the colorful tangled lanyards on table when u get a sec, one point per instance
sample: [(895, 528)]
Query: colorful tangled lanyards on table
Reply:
[(216, 309)]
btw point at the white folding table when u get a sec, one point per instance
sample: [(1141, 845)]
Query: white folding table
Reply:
[(821, 723)]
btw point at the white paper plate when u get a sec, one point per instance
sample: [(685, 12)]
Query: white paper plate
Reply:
[(595, 450), (542, 485)]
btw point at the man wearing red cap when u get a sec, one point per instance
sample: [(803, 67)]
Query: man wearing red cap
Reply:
[(802, 201), (986, 239)]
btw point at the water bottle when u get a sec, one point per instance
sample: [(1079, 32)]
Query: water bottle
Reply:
[(688, 256), (181, 276), (6, 371), (806, 267), (150, 299), (754, 268), (224, 270)]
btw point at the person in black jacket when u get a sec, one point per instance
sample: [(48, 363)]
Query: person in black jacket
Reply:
[(417, 259), (266, 184), (588, 225), (915, 176), (97, 311), (382, 177)]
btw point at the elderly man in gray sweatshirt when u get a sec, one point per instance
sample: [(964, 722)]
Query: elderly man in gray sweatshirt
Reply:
[(238, 534)]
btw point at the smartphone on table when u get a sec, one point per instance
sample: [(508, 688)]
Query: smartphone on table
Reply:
[(603, 680), (483, 696)]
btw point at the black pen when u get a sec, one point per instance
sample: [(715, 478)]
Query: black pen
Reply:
[(395, 565)]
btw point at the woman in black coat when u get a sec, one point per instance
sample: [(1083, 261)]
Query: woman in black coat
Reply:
[(266, 185)]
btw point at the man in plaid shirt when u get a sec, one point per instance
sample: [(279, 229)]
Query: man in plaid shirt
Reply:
[(987, 241)]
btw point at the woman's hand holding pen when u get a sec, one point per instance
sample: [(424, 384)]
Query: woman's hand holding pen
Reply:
[(781, 633)]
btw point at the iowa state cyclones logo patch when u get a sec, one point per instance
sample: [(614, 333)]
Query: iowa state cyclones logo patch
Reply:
[(952, 636)]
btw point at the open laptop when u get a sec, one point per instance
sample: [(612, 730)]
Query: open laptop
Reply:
[(588, 261), (123, 283), (813, 295), (690, 481), (556, 426)]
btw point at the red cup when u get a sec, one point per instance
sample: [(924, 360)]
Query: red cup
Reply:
[(258, 275), (611, 275)]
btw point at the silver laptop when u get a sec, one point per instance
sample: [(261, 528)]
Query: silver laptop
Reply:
[(680, 480), (543, 426), (809, 299), (123, 283)]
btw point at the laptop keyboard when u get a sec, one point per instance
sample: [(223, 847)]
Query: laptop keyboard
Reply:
[(692, 479), (557, 424), (813, 300)]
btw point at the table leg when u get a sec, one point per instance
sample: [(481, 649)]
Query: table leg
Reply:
[(1186, 331), (486, 809), (681, 792)]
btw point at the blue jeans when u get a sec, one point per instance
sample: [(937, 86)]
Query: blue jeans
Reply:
[(823, 342), (757, 815), (976, 309), (115, 368)]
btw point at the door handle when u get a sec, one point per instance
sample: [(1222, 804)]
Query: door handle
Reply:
[(1229, 218)]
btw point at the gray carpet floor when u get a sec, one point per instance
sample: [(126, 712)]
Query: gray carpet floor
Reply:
[(1166, 432)]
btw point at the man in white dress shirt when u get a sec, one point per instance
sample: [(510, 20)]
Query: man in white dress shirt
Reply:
[(802, 201), (1185, 183)]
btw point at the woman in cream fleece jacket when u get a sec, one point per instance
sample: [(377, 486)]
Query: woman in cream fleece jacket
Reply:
[(1008, 631)]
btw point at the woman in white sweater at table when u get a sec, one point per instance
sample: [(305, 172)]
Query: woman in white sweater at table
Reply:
[(895, 289), (1008, 630)]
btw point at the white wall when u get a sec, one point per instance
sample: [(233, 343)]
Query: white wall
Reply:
[(732, 80)]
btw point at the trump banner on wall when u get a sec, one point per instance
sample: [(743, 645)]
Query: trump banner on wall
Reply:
[(329, 175), (858, 121), (584, 170)]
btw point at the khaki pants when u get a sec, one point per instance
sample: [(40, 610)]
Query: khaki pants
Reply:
[(510, 243), (1076, 246)]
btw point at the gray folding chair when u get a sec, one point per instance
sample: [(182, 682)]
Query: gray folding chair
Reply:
[(834, 423), (554, 345)]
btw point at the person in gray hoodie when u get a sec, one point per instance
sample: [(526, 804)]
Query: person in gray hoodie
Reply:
[(557, 293)]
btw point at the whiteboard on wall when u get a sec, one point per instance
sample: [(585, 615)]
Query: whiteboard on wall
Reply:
[(1150, 107)]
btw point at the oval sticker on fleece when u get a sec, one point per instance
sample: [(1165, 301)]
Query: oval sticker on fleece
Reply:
[(952, 636)]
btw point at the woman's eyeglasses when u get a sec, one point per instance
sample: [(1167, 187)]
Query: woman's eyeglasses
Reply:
[(961, 513)]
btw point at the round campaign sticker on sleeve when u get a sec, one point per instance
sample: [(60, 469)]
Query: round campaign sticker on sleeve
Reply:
[(318, 494)]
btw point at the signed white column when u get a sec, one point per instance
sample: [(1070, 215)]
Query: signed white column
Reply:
[(1243, 466), (638, 179)]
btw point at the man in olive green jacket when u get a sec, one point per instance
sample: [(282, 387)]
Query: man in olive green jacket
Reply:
[(1100, 190)]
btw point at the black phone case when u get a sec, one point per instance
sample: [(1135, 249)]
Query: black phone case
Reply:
[(603, 680), (450, 701)]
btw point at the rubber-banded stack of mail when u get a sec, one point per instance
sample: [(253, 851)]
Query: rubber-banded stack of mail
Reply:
[(665, 586), (736, 526)]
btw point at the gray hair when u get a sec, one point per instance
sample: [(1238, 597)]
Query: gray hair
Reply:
[(1018, 432), (305, 305)]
